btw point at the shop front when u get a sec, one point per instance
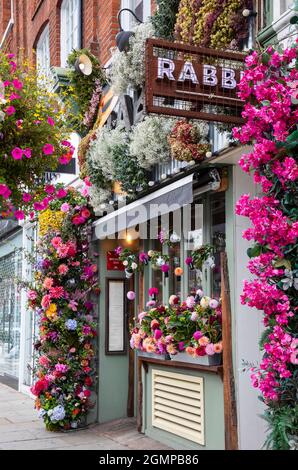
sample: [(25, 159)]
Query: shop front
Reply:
[(171, 338)]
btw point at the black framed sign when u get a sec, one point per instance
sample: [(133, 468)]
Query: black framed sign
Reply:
[(115, 317)]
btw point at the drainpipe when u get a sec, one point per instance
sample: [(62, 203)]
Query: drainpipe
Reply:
[(9, 26)]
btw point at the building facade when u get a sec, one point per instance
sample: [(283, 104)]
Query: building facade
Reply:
[(53, 28)]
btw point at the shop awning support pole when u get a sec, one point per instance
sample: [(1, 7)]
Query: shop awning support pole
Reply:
[(230, 408)]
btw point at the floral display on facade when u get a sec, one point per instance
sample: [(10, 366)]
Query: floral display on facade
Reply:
[(83, 92), (65, 278), (32, 138), (192, 326), (270, 113), (128, 67), (164, 18), (189, 141), (217, 24)]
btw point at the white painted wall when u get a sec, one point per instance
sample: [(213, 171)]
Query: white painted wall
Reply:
[(247, 330)]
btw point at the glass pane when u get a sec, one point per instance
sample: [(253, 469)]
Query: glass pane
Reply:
[(218, 238), (157, 276), (194, 239)]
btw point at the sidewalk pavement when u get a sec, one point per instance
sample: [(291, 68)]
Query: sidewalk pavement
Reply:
[(20, 428)]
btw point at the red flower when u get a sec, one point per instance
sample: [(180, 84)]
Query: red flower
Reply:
[(88, 381), (39, 387), (201, 351)]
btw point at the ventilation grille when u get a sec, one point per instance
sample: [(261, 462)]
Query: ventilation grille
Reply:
[(178, 404)]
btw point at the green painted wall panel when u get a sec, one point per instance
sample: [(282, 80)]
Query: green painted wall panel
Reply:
[(214, 413)]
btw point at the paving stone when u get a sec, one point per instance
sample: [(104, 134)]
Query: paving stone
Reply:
[(21, 429)]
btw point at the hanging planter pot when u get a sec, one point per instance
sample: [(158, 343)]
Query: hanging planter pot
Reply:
[(128, 274)]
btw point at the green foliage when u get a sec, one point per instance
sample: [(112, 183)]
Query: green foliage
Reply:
[(164, 18), (283, 425), (128, 172), (79, 92)]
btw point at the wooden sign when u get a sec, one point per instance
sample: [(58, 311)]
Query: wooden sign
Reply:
[(113, 262), (193, 82)]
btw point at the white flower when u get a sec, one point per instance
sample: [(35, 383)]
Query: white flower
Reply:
[(213, 303), (125, 263), (2, 116), (134, 266), (160, 261), (128, 68), (149, 143), (204, 302)]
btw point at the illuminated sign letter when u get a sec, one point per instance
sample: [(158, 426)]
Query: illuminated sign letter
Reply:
[(188, 73), (209, 75), (228, 78), (166, 68)]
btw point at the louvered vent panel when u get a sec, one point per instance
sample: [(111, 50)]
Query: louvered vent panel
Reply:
[(178, 404)]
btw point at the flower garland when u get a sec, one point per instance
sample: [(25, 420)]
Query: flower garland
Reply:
[(212, 23), (193, 326), (65, 276), (32, 138), (270, 115)]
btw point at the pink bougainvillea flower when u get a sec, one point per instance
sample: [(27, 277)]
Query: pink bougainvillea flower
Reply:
[(17, 153), (18, 85), (27, 152), (48, 149), (5, 192), (6, 83), (26, 197), (51, 121), (10, 110)]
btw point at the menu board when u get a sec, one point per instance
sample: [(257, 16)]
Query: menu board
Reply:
[(115, 317)]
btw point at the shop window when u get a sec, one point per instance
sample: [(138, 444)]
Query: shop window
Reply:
[(194, 238), (43, 53), (70, 28), (218, 238)]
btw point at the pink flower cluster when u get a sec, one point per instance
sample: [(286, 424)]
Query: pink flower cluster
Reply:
[(268, 89)]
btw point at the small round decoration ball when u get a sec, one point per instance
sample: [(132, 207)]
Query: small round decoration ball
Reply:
[(208, 154), (131, 295), (178, 272)]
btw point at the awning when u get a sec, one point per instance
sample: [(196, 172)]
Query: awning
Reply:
[(160, 202)]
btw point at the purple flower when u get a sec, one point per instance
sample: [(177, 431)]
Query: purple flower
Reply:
[(181, 346), (197, 335)]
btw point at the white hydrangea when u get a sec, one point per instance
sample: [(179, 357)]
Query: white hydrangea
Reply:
[(98, 196), (101, 150), (149, 142), (128, 68)]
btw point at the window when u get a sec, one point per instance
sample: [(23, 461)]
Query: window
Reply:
[(141, 8), (70, 28), (43, 53)]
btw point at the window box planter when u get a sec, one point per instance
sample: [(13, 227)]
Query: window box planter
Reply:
[(214, 360), (153, 355)]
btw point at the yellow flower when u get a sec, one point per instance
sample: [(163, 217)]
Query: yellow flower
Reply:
[(51, 313)]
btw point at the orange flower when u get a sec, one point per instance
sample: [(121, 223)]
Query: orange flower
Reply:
[(178, 272), (76, 411), (84, 363), (218, 347)]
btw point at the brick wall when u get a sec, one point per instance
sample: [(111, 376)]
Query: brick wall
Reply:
[(99, 25)]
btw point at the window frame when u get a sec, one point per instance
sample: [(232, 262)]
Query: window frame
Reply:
[(70, 22), (43, 51)]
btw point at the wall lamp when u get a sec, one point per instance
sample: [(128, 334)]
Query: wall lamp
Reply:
[(246, 13), (122, 38)]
